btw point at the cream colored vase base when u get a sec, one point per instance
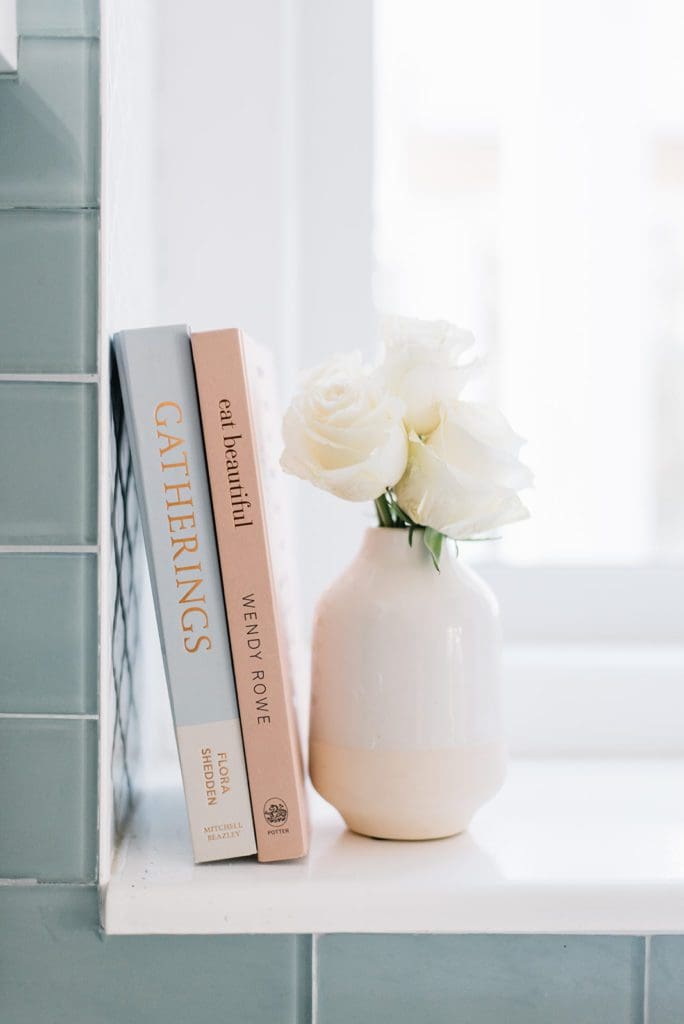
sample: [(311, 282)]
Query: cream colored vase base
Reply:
[(414, 795), (406, 739)]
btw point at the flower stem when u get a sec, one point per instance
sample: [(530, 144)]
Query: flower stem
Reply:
[(383, 511)]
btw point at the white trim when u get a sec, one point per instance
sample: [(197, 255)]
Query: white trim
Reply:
[(8, 36), (49, 378)]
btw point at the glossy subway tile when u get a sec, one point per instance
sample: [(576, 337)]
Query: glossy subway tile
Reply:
[(51, 668), (48, 463), (57, 968), (58, 17), (479, 979), (665, 997), (50, 112), (48, 795), (48, 291)]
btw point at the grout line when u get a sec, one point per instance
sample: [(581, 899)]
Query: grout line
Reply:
[(49, 549), (314, 979), (48, 714), (44, 885), (49, 378), (60, 36), (105, 685), (647, 979), (46, 208)]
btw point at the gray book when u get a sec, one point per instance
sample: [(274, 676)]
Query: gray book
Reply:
[(169, 465)]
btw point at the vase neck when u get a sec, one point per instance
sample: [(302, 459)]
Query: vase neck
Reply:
[(391, 544)]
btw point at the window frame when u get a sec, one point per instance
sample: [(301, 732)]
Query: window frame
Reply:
[(594, 654)]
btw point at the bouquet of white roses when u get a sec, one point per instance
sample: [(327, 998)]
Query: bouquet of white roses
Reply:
[(399, 434)]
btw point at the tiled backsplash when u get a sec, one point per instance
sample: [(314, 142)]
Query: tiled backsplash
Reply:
[(64, 972), (519, 979), (48, 291), (665, 1002), (52, 670), (56, 966), (48, 463), (58, 17), (49, 188), (48, 795), (51, 114)]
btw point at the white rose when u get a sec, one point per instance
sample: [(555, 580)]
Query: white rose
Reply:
[(462, 480), (344, 432), (423, 367)]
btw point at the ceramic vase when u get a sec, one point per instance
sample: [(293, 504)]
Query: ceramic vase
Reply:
[(406, 737)]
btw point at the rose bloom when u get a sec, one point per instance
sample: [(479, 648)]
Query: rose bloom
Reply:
[(423, 366), (344, 433), (462, 479)]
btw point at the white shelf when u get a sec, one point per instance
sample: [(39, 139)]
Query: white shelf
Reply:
[(567, 846)]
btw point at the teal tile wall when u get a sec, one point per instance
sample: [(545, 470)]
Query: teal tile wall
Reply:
[(48, 796), (50, 112), (52, 668), (58, 17), (48, 463), (666, 980), (56, 968), (479, 979), (48, 291), (49, 220)]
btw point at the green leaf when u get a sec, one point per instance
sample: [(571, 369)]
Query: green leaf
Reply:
[(400, 514), (433, 540)]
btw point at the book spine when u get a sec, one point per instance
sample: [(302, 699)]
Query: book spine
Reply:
[(264, 694), (169, 468)]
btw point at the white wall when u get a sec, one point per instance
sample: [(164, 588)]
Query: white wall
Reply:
[(244, 166), (335, 111), (237, 176), (202, 153)]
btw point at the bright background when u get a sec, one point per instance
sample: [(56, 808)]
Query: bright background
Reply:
[(529, 183), (516, 168)]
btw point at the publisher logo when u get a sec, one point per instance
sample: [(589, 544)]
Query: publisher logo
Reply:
[(275, 812)]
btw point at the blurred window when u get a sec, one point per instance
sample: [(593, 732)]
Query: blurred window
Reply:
[(529, 184)]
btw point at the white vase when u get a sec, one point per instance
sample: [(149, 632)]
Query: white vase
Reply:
[(406, 739)]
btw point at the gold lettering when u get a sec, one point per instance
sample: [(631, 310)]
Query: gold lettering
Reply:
[(187, 612), (167, 405), (178, 493)]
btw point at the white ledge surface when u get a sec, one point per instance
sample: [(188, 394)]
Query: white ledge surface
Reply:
[(567, 846)]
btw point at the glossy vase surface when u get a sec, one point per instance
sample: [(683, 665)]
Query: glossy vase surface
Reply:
[(406, 737)]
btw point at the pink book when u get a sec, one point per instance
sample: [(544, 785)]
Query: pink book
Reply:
[(229, 403)]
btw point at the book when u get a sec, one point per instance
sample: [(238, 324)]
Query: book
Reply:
[(169, 469), (229, 403)]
